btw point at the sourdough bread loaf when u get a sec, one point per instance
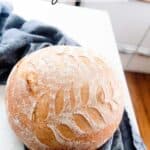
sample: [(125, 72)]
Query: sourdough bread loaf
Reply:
[(63, 97)]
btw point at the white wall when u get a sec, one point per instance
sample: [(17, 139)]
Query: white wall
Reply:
[(130, 20)]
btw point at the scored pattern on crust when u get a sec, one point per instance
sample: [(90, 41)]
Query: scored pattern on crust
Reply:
[(72, 93)]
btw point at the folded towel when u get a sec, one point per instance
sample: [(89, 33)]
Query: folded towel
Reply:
[(19, 38)]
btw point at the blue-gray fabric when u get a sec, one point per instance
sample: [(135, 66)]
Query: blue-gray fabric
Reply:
[(19, 38)]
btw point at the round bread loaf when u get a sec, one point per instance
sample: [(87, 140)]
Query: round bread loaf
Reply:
[(63, 98)]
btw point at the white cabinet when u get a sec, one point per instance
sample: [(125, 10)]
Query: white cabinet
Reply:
[(145, 45), (130, 22), (139, 64), (141, 60)]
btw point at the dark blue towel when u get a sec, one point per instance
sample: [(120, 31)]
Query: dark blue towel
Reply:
[(19, 38)]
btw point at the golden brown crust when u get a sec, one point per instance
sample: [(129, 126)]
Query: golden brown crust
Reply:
[(63, 98)]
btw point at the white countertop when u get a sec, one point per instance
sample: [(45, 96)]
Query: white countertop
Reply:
[(90, 28)]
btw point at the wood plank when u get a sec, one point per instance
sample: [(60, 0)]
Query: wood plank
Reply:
[(139, 87)]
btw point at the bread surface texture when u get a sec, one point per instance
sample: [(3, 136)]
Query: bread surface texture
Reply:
[(63, 98)]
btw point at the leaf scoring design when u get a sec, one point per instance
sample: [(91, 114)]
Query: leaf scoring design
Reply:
[(84, 93), (41, 109), (46, 135), (66, 131), (82, 122), (85, 60), (96, 116), (100, 95), (59, 101)]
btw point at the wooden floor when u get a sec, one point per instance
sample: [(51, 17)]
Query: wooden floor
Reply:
[(139, 87)]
